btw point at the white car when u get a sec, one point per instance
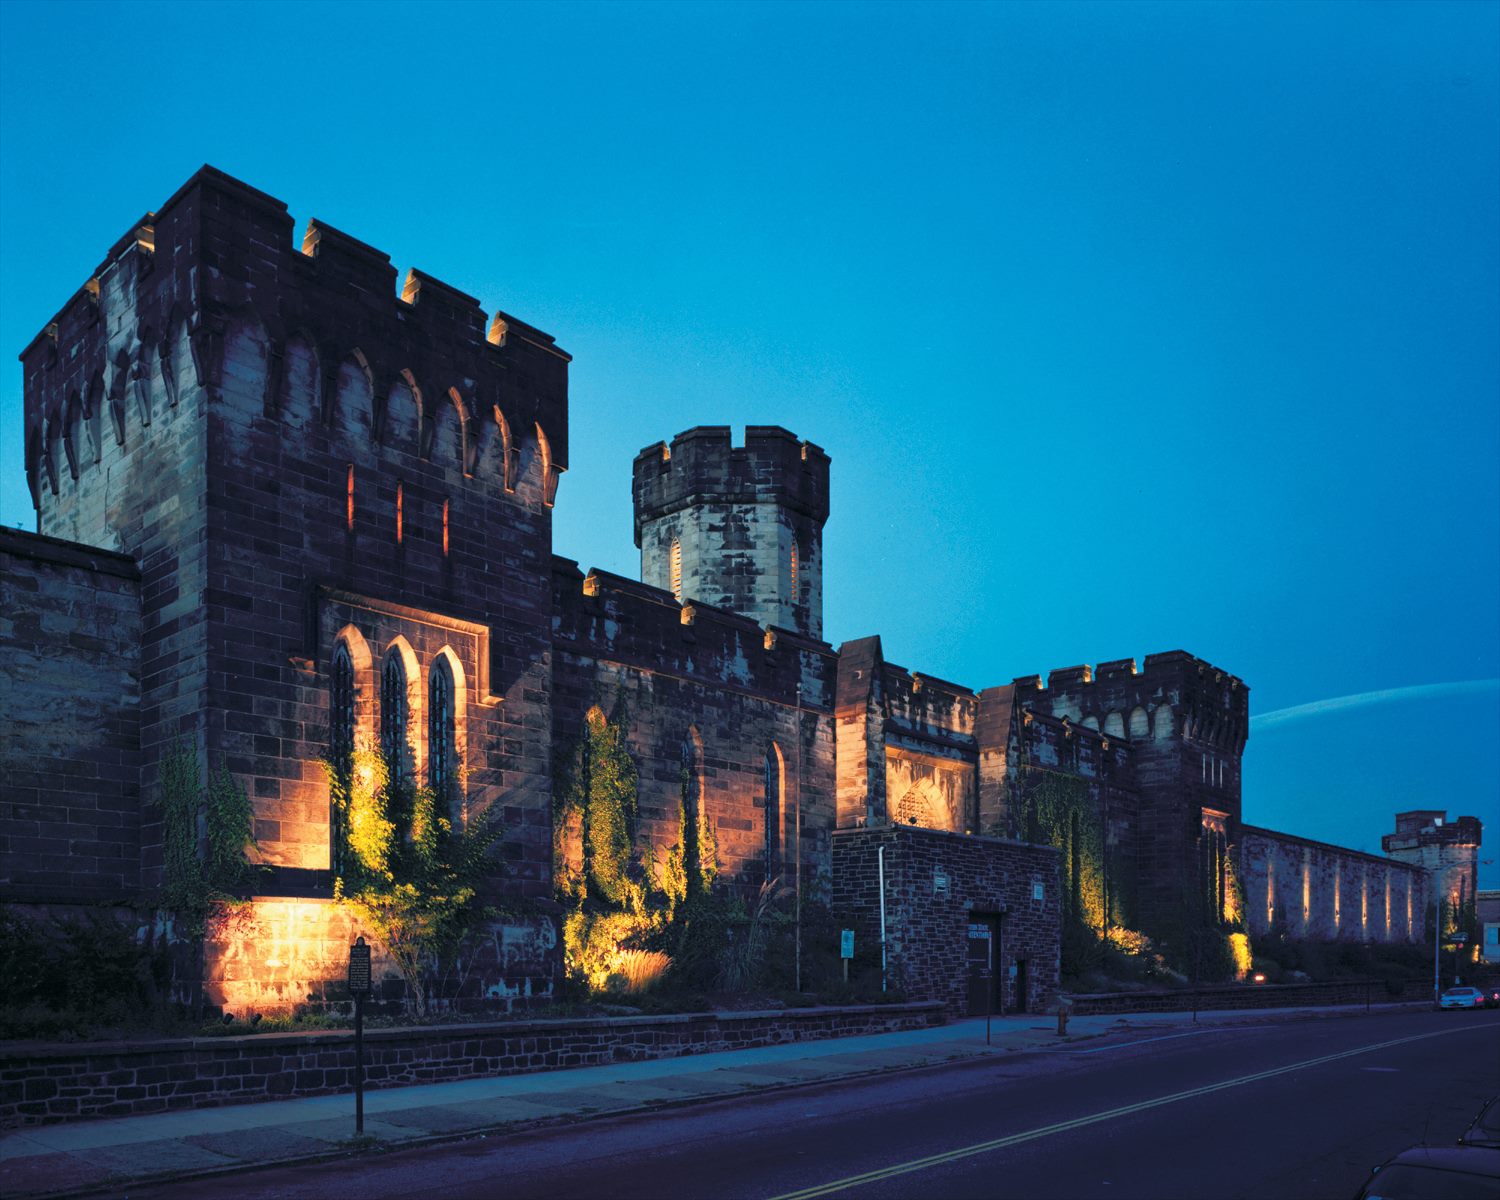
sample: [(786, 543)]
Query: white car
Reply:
[(1461, 997)]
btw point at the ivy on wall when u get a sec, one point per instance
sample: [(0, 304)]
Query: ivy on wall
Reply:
[(623, 901), (206, 837), (414, 879)]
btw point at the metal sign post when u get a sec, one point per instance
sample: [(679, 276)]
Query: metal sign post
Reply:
[(359, 988)]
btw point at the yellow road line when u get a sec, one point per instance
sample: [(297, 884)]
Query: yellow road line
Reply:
[(1015, 1139)]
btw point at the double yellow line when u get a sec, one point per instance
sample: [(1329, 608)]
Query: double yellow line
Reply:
[(1031, 1135)]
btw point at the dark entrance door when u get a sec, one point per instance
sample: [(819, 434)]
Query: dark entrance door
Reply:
[(983, 941), (1020, 985)]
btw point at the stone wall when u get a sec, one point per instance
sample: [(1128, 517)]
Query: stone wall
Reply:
[(936, 883), (277, 956), (700, 685), (47, 1084), (70, 630), (1317, 892), (1268, 995)]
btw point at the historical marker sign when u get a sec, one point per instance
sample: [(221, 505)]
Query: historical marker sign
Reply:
[(846, 944), (359, 968)]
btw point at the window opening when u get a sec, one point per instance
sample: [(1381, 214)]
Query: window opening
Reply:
[(445, 529), (440, 740), (773, 812), (675, 561), (393, 716), (349, 499), (341, 738), (400, 498)]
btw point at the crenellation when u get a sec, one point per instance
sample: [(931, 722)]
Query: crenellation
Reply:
[(270, 472)]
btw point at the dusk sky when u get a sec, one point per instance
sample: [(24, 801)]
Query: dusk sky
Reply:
[(1128, 328)]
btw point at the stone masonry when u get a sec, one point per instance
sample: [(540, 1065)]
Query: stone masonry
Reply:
[(254, 459)]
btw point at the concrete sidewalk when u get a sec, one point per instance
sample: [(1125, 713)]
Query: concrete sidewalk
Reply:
[(58, 1160)]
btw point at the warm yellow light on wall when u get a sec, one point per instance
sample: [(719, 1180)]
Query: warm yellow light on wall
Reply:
[(1239, 947)]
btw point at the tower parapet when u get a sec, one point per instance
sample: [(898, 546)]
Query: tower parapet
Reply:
[(1448, 850), (738, 527)]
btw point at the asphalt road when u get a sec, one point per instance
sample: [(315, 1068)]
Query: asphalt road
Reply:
[(1292, 1110)]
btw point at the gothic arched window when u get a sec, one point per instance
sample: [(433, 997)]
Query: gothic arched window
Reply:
[(441, 752), (341, 708), (393, 710), (773, 812), (340, 743), (691, 815)]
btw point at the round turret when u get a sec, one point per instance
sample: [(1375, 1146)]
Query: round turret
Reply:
[(738, 527)]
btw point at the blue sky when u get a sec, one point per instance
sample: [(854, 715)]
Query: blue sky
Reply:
[(1128, 327)]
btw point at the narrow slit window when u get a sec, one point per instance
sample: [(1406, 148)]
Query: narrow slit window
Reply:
[(675, 561), (341, 731), (349, 499), (445, 529), (441, 750), (400, 510), (794, 572), (393, 708)]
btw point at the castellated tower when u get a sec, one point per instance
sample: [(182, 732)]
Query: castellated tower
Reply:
[(1448, 850), (316, 474), (740, 528)]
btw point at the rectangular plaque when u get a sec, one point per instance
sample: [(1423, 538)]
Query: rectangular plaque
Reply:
[(846, 943), (359, 968)]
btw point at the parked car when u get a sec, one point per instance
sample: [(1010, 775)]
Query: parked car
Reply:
[(1484, 1130), (1461, 997), (1436, 1173)]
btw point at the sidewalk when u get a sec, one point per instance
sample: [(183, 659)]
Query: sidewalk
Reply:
[(59, 1160)]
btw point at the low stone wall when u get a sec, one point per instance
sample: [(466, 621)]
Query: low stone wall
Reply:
[(1266, 995), (42, 1084)]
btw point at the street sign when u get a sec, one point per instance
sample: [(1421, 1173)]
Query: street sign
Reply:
[(1460, 938), (846, 944), (359, 968)]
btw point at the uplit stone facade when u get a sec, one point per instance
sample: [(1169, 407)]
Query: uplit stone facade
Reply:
[(257, 465)]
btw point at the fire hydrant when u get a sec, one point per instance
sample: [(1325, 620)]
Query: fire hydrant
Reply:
[(1064, 1007)]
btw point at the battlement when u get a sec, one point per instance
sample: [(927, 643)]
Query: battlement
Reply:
[(216, 266), (703, 466), (929, 705), (1431, 827), (603, 616), (1170, 694)]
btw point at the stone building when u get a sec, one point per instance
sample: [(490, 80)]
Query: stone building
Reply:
[(283, 508)]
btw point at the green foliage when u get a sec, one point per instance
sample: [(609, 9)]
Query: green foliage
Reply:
[(202, 878), (73, 978), (630, 913), (412, 877)]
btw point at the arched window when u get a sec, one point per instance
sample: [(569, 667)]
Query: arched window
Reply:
[(393, 711), (340, 746), (441, 752), (341, 708), (691, 813), (773, 812)]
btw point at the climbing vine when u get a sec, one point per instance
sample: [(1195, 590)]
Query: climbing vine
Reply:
[(414, 878), (1058, 811), (206, 837), (623, 902)]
